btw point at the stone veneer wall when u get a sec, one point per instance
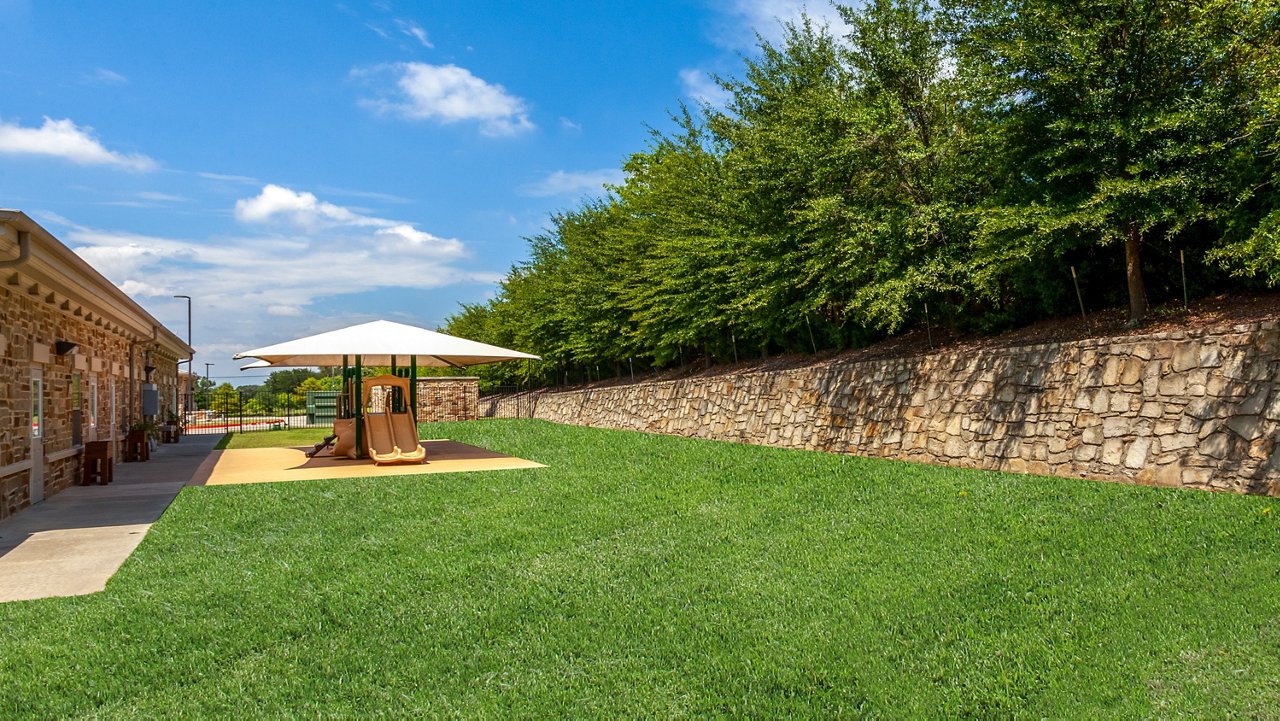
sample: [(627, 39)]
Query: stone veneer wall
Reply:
[(448, 399), (101, 361), (1197, 409)]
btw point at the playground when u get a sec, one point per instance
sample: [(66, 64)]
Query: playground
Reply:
[(276, 464), (374, 417)]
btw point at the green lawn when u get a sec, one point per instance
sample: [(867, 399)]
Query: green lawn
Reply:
[(650, 576), (292, 438)]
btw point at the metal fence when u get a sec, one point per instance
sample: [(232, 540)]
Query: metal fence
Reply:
[(230, 410), (508, 402), (217, 411)]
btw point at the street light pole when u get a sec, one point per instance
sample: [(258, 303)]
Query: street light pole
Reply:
[(191, 388)]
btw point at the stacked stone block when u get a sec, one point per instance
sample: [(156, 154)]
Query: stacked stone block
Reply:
[(448, 399), (1195, 409)]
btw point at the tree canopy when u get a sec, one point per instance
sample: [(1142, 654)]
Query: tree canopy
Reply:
[(964, 155)]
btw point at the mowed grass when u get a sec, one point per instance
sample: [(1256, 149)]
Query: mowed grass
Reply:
[(650, 576), (292, 438)]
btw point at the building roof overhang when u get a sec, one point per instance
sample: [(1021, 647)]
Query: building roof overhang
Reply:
[(53, 274)]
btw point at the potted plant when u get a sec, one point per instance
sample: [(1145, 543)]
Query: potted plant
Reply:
[(171, 429), (138, 441)]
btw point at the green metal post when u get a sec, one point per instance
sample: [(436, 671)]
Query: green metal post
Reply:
[(413, 388), (344, 407), (359, 403)]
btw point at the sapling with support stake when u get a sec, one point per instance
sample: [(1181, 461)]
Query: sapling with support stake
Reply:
[(927, 328), (1079, 297), (1182, 261)]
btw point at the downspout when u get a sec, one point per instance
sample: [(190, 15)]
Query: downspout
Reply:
[(24, 251), (150, 354), (133, 347)]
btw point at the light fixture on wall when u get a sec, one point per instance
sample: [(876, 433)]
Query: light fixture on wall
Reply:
[(64, 347)]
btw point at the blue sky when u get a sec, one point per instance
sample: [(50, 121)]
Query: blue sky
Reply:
[(301, 166)]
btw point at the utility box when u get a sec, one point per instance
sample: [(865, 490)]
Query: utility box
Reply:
[(322, 407), (150, 399)]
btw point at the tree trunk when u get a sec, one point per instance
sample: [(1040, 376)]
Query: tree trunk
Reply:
[(1133, 269)]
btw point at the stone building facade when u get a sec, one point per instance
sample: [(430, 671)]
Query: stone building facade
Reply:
[(77, 357), (447, 399), (1196, 409)]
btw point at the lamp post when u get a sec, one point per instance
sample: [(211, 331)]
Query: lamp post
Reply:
[(191, 388)]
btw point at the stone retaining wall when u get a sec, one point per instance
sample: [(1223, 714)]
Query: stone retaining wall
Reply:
[(1195, 409), (448, 399)]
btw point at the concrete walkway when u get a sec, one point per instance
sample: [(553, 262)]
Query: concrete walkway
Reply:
[(75, 541)]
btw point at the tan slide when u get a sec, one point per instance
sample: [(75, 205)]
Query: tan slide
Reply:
[(391, 437), (345, 430)]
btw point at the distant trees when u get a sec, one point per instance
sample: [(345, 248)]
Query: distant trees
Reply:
[(225, 401), (285, 381), (962, 154)]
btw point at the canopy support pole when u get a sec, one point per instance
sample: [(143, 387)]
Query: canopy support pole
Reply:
[(344, 410), (359, 399), (413, 390)]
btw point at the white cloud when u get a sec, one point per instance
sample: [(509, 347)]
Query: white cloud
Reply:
[(569, 125), (124, 255), (253, 289), (744, 18), (563, 182), (64, 139), (303, 209), (104, 76), (372, 195), (449, 94), (306, 211), (405, 237), (137, 288), (229, 178), (415, 31), (162, 197), (698, 86)]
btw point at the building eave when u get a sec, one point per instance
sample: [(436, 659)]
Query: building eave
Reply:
[(55, 275)]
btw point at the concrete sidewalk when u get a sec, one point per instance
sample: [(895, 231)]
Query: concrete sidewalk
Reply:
[(74, 542)]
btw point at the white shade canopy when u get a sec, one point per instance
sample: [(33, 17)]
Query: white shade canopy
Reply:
[(377, 342)]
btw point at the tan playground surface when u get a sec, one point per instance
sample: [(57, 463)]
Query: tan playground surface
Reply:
[(270, 465)]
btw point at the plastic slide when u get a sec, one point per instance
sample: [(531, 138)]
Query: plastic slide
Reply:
[(404, 433), (391, 437), (345, 430)]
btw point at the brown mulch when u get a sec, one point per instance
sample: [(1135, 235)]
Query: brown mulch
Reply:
[(1212, 312)]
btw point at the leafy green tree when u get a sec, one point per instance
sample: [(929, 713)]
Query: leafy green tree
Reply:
[(204, 392), (959, 154), (328, 383), (285, 381), (1251, 215), (225, 400), (677, 265), (1116, 114)]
